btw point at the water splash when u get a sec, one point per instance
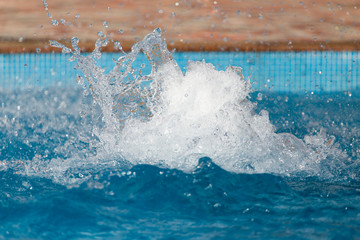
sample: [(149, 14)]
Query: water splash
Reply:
[(46, 6), (171, 119)]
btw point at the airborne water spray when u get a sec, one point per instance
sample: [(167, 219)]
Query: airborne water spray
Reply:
[(97, 165), (171, 119)]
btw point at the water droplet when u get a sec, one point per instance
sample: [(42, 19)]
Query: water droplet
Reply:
[(62, 21), (246, 210), (54, 22), (106, 24), (80, 80), (120, 31), (176, 4), (38, 50), (117, 45), (161, 11), (77, 16), (21, 39), (75, 41), (101, 34), (45, 4), (216, 205)]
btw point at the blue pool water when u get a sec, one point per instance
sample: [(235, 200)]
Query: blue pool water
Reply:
[(148, 202), (277, 71), (187, 156)]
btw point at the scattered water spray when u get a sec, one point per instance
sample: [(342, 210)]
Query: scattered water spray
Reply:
[(171, 119)]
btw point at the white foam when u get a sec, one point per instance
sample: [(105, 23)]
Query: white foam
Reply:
[(207, 113), (204, 112)]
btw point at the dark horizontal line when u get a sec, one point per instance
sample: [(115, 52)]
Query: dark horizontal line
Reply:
[(8, 45)]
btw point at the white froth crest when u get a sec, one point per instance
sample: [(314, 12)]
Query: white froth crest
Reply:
[(172, 119)]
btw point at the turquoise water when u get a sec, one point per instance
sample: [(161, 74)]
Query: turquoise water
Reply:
[(277, 71), (148, 202), (178, 150)]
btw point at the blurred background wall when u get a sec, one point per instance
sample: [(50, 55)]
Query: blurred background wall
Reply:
[(219, 25)]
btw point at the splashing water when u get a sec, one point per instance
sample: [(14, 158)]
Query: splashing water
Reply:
[(135, 163), (171, 119)]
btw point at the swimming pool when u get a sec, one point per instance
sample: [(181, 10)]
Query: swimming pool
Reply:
[(276, 71), (173, 155)]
